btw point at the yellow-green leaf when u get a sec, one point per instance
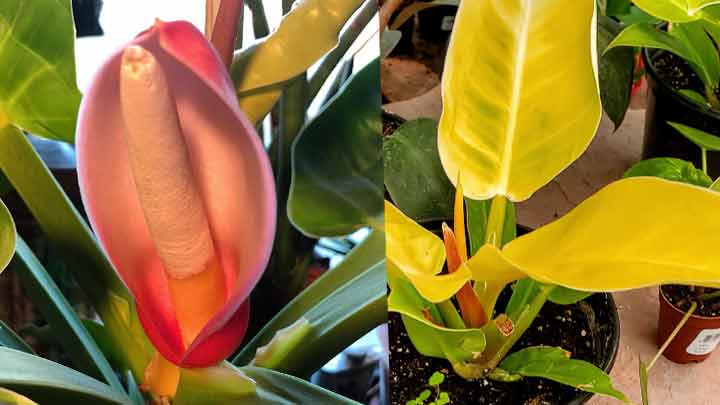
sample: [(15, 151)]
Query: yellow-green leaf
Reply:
[(7, 237), (634, 233), (420, 255), (8, 397), (492, 272), (677, 10), (305, 34), (38, 92), (520, 94)]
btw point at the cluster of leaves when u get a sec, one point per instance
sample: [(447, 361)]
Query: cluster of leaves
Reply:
[(440, 398), (691, 31)]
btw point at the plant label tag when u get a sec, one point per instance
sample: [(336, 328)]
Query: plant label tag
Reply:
[(705, 342), (447, 23)]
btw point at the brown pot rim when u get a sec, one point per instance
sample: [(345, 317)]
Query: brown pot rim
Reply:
[(681, 312)]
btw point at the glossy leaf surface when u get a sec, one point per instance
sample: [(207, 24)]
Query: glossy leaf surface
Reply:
[(340, 319), (649, 36), (8, 397), (61, 316), (678, 10), (670, 169), (414, 176), (7, 235), (340, 191), (47, 383), (420, 256), (431, 339), (364, 256), (305, 34), (616, 71), (555, 364), (38, 92), (10, 339), (511, 75), (633, 233), (700, 138)]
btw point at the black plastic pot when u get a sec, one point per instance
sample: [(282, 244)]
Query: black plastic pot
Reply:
[(665, 104), (601, 312)]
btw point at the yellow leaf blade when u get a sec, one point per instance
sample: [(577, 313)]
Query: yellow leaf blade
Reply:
[(420, 256), (492, 272), (634, 233), (512, 75)]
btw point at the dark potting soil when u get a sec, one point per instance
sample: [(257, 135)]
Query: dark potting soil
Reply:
[(681, 297), (582, 328), (677, 73)]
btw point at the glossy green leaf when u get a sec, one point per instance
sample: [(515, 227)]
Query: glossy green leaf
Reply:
[(218, 385), (37, 64), (7, 236), (8, 397), (705, 61), (305, 34), (430, 339), (340, 190), (10, 339), (670, 169), (647, 35), (414, 176), (694, 96), (678, 10), (68, 232), (340, 319), (364, 256), (508, 85), (47, 382), (700, 138), (567, 296), (616, 71), (57, 311), (275, 388), (555, 364), (624, 238), (524, 291)]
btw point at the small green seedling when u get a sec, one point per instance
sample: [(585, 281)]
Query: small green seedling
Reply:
[(441, 397)]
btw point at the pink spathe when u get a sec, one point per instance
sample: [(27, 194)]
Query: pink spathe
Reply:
[(231, 171)]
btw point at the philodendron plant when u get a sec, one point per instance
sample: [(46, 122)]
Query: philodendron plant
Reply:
[(188, 205), (691, 31), (520, 104)]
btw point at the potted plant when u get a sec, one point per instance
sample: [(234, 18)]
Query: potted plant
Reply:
[(697, 307), (683, 69), (520, 103), (190, 209)]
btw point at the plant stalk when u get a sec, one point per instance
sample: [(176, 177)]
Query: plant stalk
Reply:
[(712, 98), (496, 221), (260, 23), (674, 333), (526, 319), (450, 315), (704, 161)]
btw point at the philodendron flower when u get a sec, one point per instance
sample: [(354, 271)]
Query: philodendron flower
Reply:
[(179, 190)]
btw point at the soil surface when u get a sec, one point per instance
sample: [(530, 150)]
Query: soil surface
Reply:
[(681, 297), (582, 328), (677, 72)]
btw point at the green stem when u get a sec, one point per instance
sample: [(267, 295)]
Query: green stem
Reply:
[(451, 317), (346, 39), (496, 221), (712, 98), (523, 323), (704, 160), (260, 24), (709, 296), (293, 105), (674, 333)]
